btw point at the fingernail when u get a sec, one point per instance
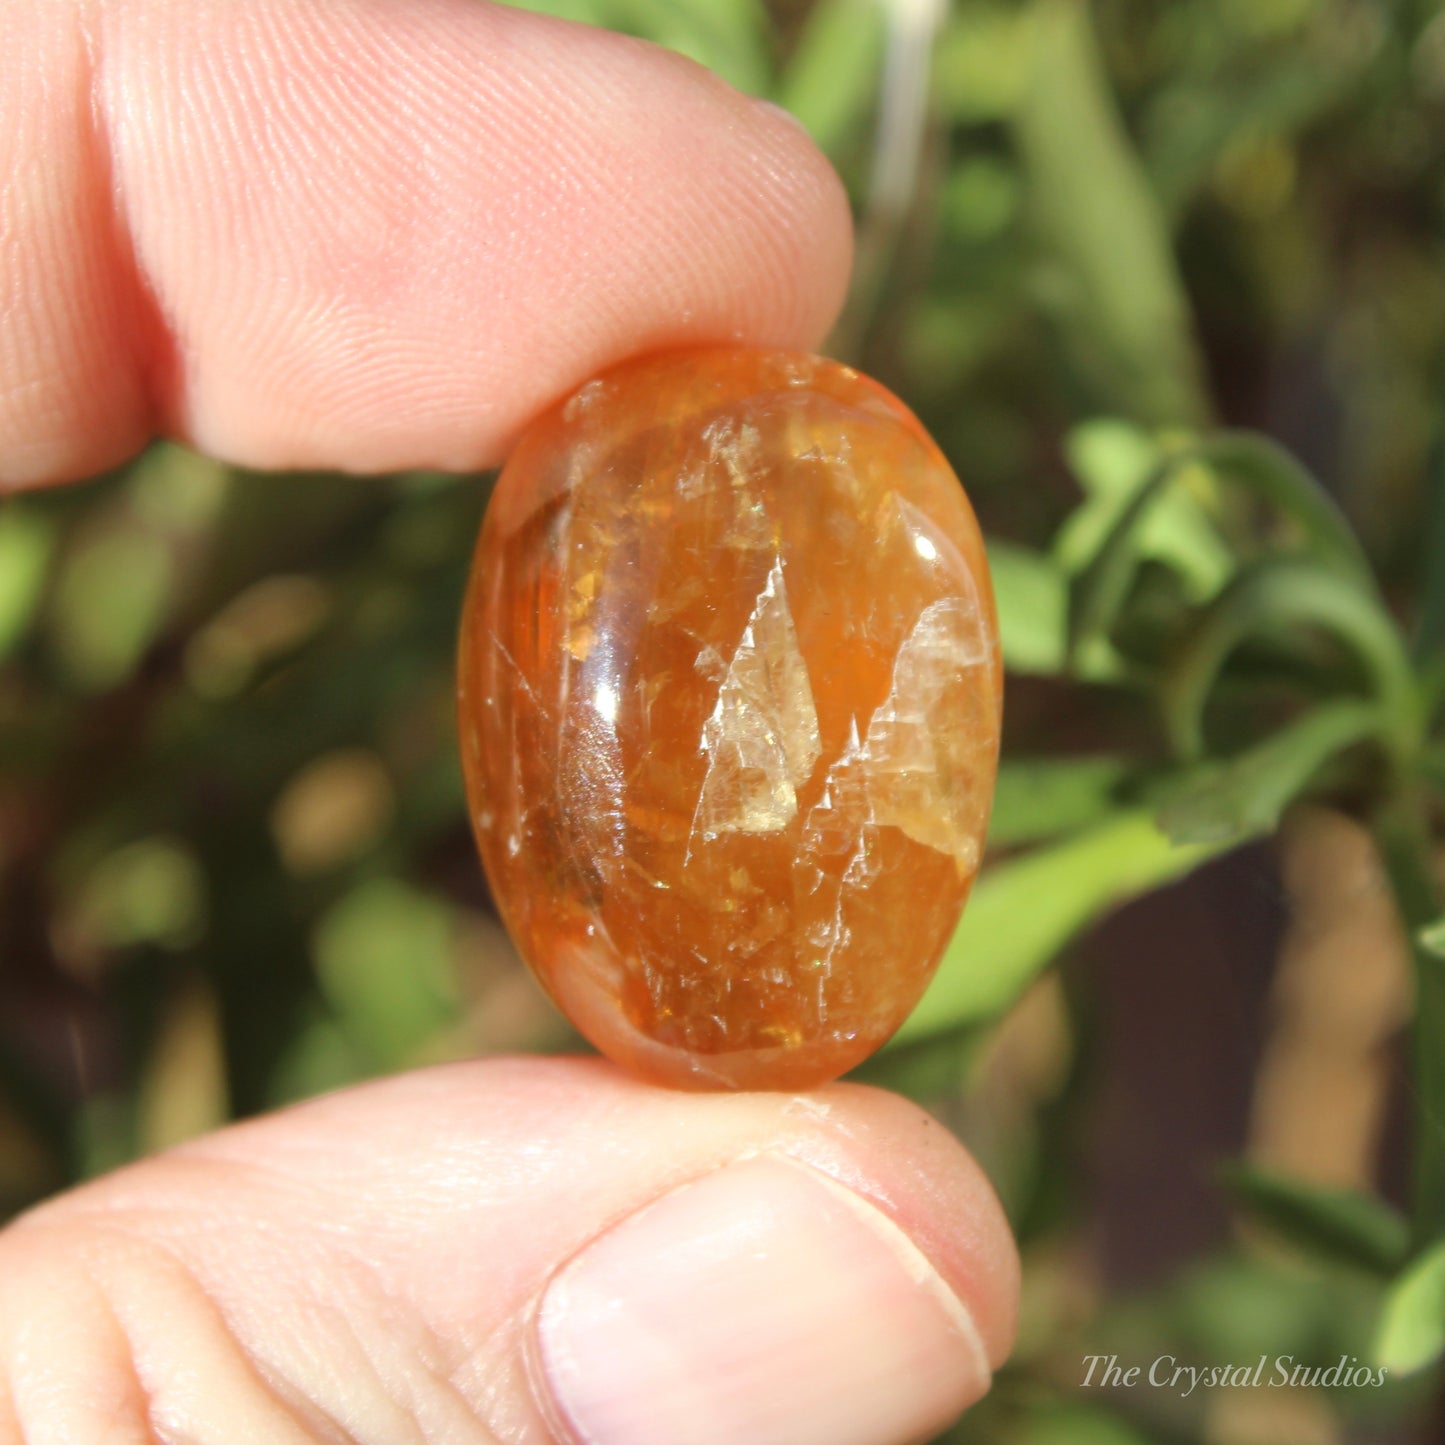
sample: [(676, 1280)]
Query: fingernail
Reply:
[(764, 1304)]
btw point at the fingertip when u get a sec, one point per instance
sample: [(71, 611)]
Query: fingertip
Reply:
[(761, 1267), (923, 1177), (376, 237), (622, 1143), (764, 1302)]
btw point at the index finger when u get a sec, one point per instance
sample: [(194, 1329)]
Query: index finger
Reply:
[(368, 236)]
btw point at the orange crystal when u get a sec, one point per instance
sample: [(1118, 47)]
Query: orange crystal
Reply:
[(730, 697)]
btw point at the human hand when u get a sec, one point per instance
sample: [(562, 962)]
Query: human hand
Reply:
[(374, 236)]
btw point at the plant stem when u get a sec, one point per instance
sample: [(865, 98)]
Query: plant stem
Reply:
[(1403, 837)]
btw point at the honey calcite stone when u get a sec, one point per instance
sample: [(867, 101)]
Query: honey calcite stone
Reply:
[(730, 699)]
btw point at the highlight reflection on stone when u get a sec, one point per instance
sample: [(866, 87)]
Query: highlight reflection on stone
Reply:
[(730, 696)]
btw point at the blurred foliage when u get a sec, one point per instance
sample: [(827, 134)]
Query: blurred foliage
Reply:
[(1104, 251)]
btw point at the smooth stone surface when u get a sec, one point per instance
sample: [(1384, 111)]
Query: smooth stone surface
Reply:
[(729, 700)]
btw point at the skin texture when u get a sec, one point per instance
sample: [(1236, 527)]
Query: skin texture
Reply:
[(375, 1257), (370, 235), (366, 236)]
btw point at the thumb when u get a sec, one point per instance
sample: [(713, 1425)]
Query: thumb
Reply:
[(518, 1250)]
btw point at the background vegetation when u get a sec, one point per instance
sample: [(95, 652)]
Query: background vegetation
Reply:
[(1095, 244)]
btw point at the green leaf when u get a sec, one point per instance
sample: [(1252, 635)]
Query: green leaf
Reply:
[(1102, 227), (1111, 456), (384, 956), (1411, 1332), (1114, 461), (1407, 847), (832, 80), (1266, 471), (1342, 1226), (1039, 798), (1275, 597), (931, 1068), (978, 201), (1032, 598), (1111, 459), (109, 603), (322, 1057), (1238, 1304), (26, 541), (1245, 796), (1432, 938), (149, 891), (175, 490), (981, 62), (1024, 910)]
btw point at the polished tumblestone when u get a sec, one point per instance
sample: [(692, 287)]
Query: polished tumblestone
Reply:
[(730, 698)]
